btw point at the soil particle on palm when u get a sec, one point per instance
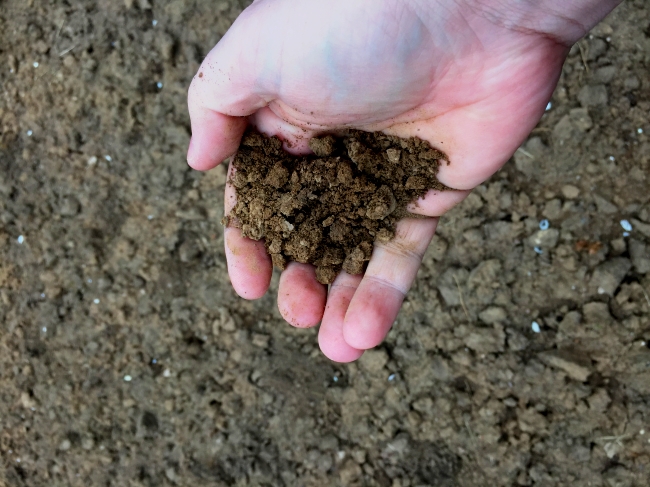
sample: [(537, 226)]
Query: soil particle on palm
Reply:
[(328, 208)]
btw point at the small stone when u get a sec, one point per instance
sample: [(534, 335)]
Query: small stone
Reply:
[(605, 74), (493, 314), (604, 206), (643, 228), (632, 83), (593, 95), (570, 192), (486, 340), (393, 155), (189, 251), (69, 206), (552, 210), (618, 246), (65, 445), (576, 366), (609, 275), (373, 361), (535, 326), (545, 239), (640, 255)]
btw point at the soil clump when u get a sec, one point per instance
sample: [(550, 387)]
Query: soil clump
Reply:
[(328, 208)]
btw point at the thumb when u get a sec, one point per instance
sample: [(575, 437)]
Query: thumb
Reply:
[(222, 94)]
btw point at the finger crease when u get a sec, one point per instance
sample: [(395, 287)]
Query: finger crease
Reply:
[(401, 250), (342, 286), (386, 283)]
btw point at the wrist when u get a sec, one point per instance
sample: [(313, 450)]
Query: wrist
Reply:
[(564, 21)]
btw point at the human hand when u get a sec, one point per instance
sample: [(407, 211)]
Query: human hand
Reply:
[(470, 77)]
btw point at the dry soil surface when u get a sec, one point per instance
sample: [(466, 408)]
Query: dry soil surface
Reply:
[(520, 357)]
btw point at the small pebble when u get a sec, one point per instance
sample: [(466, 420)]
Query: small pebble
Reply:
[(391, 377), (626, 234), (335, 379), (601, 290), (44, 329), (538, 250), (549, 106), (92, 161), (90, 281), (611, 158), (627, 226), (535, 327), (108, 158), (96, 301), (639, 130), (149, 217), (29, 133), (642, 432), (35, 64), (154, 361), (544, 224), (166, 373), (20, 239), (127, 378), (154, 22), (159, 85), (42, 295)]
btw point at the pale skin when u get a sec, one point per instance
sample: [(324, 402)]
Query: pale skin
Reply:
[(471, 77)]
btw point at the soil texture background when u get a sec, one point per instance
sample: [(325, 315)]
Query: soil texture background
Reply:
[(520, 357)]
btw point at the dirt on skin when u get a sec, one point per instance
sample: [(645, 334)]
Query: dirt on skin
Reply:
[(329, 208), (126, 359)]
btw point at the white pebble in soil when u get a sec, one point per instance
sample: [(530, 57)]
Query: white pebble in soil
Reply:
[(20, 239), (627, 226), (535, 326)]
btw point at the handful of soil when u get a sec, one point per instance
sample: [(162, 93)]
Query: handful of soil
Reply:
[(327, 209)]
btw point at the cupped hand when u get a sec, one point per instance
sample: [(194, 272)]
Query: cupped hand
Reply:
[(470, 77)]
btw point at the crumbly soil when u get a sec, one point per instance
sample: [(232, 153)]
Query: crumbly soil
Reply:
[(127, 360), (329, 208)]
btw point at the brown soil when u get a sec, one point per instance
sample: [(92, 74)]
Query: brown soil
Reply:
[(327, 209), (126, 359)]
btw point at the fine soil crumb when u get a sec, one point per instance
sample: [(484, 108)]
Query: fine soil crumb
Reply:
[(328, 208)]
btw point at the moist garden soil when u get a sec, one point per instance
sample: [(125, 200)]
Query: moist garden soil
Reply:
[(329, 208), (126, 359)]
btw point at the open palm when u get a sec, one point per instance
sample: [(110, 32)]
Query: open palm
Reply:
[(471, 80)]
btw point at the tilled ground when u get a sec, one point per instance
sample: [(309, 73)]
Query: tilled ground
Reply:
[(519, 358)]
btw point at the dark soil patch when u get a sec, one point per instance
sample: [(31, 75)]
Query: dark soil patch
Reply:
[(328, 208)]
